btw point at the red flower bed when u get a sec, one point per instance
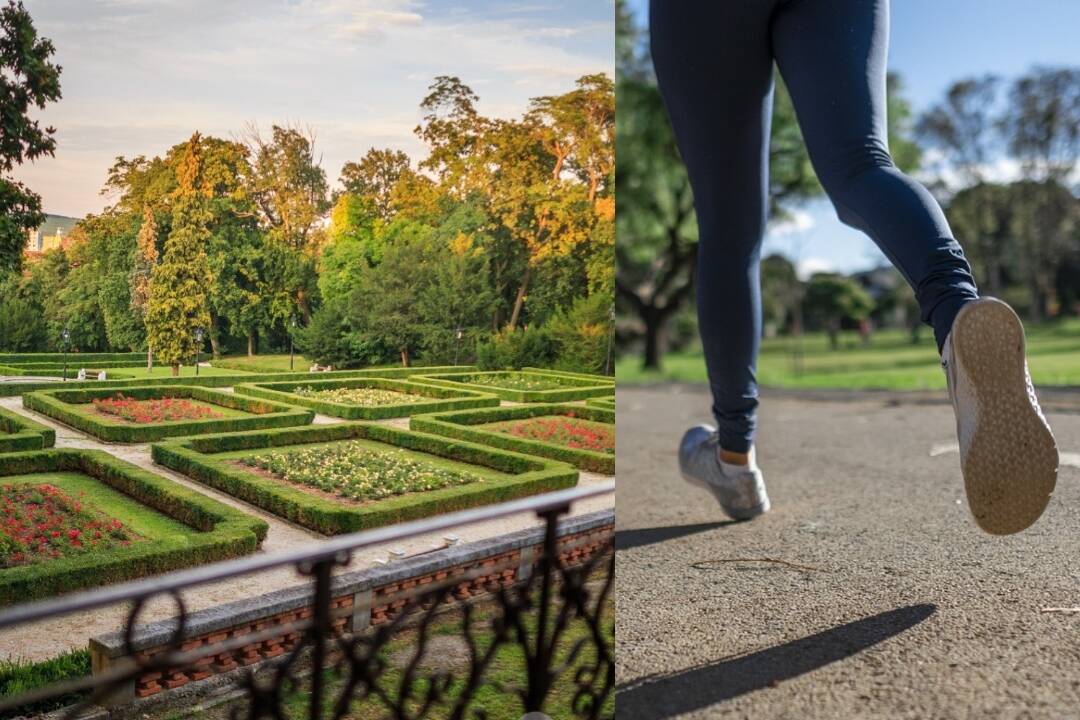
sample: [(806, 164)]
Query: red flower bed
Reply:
[(565, 430), (42, 522), (157, 410)]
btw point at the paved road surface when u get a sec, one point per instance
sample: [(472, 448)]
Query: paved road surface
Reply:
[(895, 604)]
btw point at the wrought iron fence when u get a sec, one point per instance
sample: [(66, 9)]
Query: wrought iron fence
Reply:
[(532, 620)]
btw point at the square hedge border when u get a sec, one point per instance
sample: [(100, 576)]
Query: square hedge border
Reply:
[(575, 388), (63, 405), (194, 457), (608, 403), (442, 399), (9, 389), (224, 532), (460, 425), (25, 434)]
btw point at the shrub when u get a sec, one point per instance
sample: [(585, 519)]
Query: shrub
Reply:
[(464, 425), (220, 532), (581, 334), (22, 433), (195, 457), (516, 349), (550, 386), (18, 677)]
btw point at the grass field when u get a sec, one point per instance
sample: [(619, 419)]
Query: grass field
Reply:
[(890, 362)]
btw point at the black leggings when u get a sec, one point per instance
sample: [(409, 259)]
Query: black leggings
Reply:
[(714, 62)]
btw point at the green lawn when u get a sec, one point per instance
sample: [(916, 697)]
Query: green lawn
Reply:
[(261, 363), (890, 362)]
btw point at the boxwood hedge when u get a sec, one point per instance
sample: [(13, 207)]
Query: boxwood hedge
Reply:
[(608, 403), (22, 433), (439, 399), (597, 379), (572, 388), (9, 389), (220, 532), (463, 424), (74, 358), (72, 407), (199, 459)]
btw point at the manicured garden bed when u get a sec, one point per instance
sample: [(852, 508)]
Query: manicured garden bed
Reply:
[(369, 398), (226, 378), (145, 414), (18, 432), (580, 435), (523, 385), (73, 519), (608, 403), (351, 476)]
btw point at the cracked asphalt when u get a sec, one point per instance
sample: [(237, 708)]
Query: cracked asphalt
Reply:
[(867, 592)]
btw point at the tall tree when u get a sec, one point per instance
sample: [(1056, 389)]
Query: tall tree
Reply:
[(178, 303), (27, 79), (374, 177)]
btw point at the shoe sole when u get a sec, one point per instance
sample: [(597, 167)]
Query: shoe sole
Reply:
[(733, 513), (1010, 468)]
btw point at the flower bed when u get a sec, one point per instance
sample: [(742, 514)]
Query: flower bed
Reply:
[(155, 410), (18, 432), (41, 522), (372, 463), (356, 472), (567, 430), (581, 435), (524, 385), (81, 409), (163, 525), (369, 398)]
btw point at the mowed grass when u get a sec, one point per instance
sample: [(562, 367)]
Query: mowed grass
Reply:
[(260, 363), (890, 362)]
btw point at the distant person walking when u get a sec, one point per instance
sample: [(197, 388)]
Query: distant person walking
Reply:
[(714, 62)]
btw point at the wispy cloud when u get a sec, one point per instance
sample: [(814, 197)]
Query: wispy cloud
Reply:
[(140, 75)]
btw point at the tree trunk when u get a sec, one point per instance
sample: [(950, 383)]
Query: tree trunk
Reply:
[(175, 369), (520, 299), (654, 338), (252, 341), (405, 357), (149, 359), (1035, 313), (834, 334), (215, 349)]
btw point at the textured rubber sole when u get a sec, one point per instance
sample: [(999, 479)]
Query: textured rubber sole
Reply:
[(1010, 467)]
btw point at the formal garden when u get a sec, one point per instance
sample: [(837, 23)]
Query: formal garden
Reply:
[(525, 386)]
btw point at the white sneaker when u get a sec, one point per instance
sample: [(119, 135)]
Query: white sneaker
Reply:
[(1007, 452), (740, 490)]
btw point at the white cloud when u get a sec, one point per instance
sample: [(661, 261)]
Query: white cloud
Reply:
[(798, 221), (141, 76), (805, 269)]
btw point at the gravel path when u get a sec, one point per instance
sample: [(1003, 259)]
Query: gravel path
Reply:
[(868, 591), (45, 640)]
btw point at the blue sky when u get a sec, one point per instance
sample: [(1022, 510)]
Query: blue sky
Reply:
[(142, 75), (933, 43)]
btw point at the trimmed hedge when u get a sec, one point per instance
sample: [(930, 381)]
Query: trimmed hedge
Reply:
[(597, 379), (460, 425), (608, 403), (74, 357), (221, 531), (574, 388), (22, 433), (66, 406), (9, 389), (195, 457), (442, 399)]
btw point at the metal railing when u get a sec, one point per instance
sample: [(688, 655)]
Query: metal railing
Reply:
[(553, 614)]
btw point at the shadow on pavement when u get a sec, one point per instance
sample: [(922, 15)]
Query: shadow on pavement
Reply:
[(700, 687), (636, 537)]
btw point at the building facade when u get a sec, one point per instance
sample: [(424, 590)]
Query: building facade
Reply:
[(50, 234)]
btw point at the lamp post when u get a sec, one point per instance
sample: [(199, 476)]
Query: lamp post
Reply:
[(457, 346), (198, 347), (65, 336), (292, 328), (610, 342)]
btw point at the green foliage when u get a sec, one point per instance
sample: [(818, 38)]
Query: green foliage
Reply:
[(18, 677), (219, 532), (18, 432), (22, 328), (73, 407), (438, 399), (513, 348), (463, 425), (211, 461), (831, 299), (177, 303), (513, 385), (582, 335), (30, 80)]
